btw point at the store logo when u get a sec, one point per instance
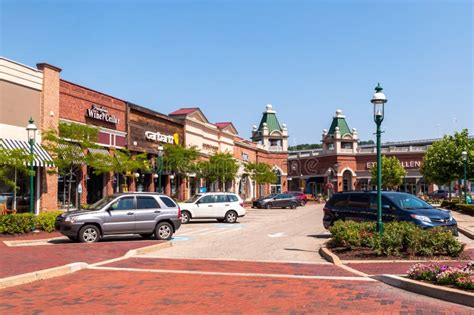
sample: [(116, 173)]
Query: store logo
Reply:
[(159, 137), (101, 113), (405, 164)]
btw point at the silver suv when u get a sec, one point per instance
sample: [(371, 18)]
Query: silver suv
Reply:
[(146, 214)]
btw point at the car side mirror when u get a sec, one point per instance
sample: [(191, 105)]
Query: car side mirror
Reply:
[(386, 207)]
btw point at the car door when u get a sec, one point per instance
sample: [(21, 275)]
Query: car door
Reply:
[(358, 208), (389, 211), (205, 207), (222, 206), (120, 216), (147, 210)]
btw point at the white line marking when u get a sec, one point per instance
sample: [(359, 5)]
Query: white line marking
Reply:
[(228, 230), (279, 234), (235, 274), (235, 259), (186, 233)]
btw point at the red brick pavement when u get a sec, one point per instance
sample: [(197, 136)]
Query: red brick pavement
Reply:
[(396, 268), (123, 292), (232, 266), (24, 259)]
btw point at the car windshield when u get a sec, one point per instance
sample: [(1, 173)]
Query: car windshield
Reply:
[(270, 196), (101, 203), (193, 199), (408, 202)]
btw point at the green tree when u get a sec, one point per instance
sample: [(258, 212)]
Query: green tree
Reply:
[(366, 142), (120, 162), (13, 162), (392, 173), (261, 173), (305, 146), (221, 167), (66, 146), (442, 163), (179, 159)]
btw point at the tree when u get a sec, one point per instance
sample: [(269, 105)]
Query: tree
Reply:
[(13, 161), (179, 159), (120, 162), (442, 163), (261, 173), (305, 146), (392, 173), (221, 167), (66, 146), (367, 142)]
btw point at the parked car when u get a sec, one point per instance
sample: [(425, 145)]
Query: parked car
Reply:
[(146, 214), (300, 196), (277, 201), (439, 194), (225, 207), (396, 206)]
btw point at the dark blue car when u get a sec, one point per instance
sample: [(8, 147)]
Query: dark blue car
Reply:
[(396, 206)]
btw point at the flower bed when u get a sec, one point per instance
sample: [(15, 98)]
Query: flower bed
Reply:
[(400, 239), (461, 277)]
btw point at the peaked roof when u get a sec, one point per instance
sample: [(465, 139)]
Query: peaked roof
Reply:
[(184, 111), (269, 117), (226, 125), (339, 121)]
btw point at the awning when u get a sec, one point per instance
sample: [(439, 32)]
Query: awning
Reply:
[(73, 148), (41, 157), (98, 151)]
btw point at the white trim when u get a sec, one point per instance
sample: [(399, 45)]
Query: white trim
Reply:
[(282, 173), (111, 131), (347, 169)]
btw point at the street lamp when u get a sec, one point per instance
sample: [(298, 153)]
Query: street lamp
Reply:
[(464, 158), (31, 131), (379, 101), (159, 167)]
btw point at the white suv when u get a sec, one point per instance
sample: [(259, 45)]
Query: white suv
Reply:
[(225, 207)]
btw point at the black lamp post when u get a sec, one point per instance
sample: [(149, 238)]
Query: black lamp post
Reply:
[(379, 101), (31, 131)]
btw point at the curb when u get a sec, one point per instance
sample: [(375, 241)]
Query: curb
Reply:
[(147, 249), (329, 256), (466, 232), (435, 291), (42, 274)]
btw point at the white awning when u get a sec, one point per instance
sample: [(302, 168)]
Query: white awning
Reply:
[(41, 157), (98, 151)]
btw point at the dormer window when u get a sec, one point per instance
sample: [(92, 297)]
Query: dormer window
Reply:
[(347, 145)]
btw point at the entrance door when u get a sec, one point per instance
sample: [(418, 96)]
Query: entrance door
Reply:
[(95, 186)]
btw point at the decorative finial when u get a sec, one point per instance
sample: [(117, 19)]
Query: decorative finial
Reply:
[(31, 120), (378, 88)]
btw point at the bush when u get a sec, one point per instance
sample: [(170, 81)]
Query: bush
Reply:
[(461, 277), (17, 223), (398, 238), (469, 209), (45, 220), (450, 276), (450, 204)]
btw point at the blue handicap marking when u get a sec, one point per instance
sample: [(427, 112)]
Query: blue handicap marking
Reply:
[(181, 238)]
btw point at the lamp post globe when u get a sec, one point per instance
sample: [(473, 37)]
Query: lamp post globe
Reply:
[(379, 100), (464, 159), (31, 133)]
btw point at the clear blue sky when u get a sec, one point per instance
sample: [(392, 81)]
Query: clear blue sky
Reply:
[(307, 58)]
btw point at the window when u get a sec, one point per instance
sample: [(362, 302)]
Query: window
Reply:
[(125, 203), (338, 200), (232, 198), (245, 157), (331, 146), (221, 198), (359, 201), (208, 199), (407, 201), (147, 203), (168, 202), (373, 202)]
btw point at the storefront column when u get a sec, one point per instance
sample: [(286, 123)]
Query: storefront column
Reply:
[(48, 190), (168, 186), (152, 186), (83, 181), (183, 189), (109, 184)]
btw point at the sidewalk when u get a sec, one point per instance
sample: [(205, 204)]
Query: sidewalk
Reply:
[(465, 222)]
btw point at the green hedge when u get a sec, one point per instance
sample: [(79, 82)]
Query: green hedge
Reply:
[(450, 204), (399, 238), (465, 208), (26, 222)]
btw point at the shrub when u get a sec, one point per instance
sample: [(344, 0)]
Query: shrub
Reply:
[(469, 209), (450, 204), (45, 220), (423, 272), (462, 277), (399, 238), (466, 282), (450, 276), (17, 223)]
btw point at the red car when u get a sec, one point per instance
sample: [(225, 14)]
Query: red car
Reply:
[(299, 195)]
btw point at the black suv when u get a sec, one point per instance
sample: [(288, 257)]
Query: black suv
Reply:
[(396, 206)]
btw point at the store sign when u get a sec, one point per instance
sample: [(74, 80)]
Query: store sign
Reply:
[(159, 137), (405, 164), (101, 113), (210, 147)]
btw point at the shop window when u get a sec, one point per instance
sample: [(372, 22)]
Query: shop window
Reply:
[(22, 194)]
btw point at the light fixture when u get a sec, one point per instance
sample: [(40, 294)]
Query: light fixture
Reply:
[(31, 130)]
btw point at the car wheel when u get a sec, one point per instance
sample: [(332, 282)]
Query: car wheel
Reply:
[(231, 216), (293, 206), (163, 231), (72, 238), (185, 217), (89, 234), (268, 206), (303, 203), (147, 235)]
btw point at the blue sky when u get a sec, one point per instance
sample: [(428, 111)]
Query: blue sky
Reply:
[(307, 58)]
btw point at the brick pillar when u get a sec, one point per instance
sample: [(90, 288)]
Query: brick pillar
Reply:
[(183, 188), (84, 183), (168, 186), (151, 187), (49, 119), (109, 190)]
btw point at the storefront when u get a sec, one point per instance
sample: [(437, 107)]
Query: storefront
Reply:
[(148, 132), (81, 105)]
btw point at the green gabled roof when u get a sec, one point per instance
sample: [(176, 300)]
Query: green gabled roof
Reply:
[(272, 122), (342, 124)]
